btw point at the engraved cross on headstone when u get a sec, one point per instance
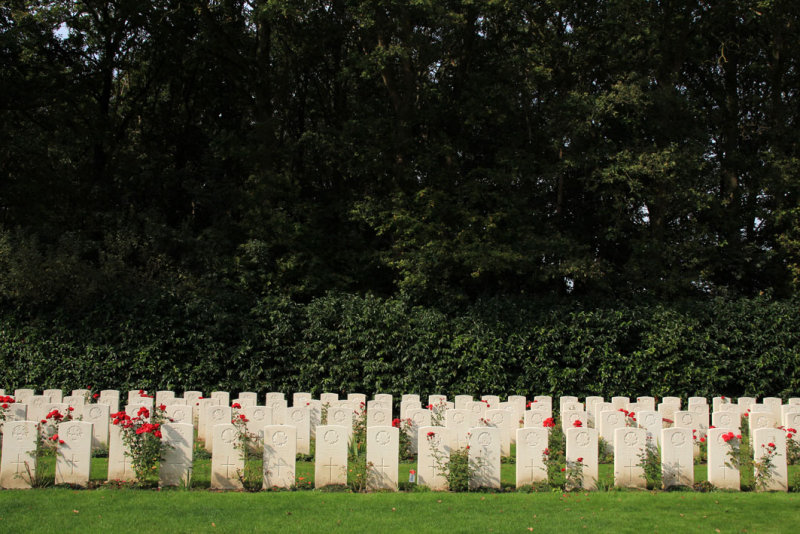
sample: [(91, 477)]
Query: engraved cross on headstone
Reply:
[(532, 466), (227, 465), (19, 462), (330, 465)]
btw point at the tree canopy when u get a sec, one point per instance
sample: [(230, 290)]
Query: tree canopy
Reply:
[(442, 150)]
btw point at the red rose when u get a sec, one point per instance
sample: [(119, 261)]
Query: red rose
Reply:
[(580, 460), (577, 423), (236, 405), (431, 434), (61, 441), (548, 423), (162, 407), (96, 395)]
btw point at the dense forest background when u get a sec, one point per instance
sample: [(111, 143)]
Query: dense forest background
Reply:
[(570, 154)]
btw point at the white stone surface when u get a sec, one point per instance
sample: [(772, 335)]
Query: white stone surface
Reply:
[(164, 397), (677, 457), (582, 443), (383, 449), (462, 400), (215, 415), (502, 420), (629, 445), (758, 420), (74, 456), (484, 455), (176, 464), (54, 395), (23, 395), (620, 402), (330, 458), (227, 460), (300, 418), (98, 415), (650, 420), (223, 396), (384, 398), (378, 414), (18, 464), (727, 420), (420, 417), (530, 466), (459, 423), (431, 473), (646, 404), (119, 463), (778, 475), (569, 418), (327, 398), (179, 413), (280, 450), (277, 409), (342, 416), (721, 472), (301, 398), (609, 422)]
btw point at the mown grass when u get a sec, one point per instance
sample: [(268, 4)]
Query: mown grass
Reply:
[(106, 510)]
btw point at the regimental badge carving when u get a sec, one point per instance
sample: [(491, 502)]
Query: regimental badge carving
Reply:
[(582, 439), (379, 417), (678, 439), (419, 418), (382, 437), (95, 413), (180, 415), (686, 419), (725, 420), (20, 432), (216, 414), (74, 433), (650, 420), (484, 438), (331, 437), (532, 439), (339, 416), (762, 421), (258, 415), (280, 439), (228, 435), (458, 418), (434, 439), (613, 419), (630, 438), (498, 418), (297, 416)]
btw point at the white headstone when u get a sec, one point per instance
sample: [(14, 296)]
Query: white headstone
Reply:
[(241, 403), (98, 415), (745, 402), (573, 419), (165, 397), (227, 460), (433, 441), (223, 396), (591, 402), (727, 420), (582, 446), (646, 404), (274, 396), (667, 413), (620, 402), (179, 413), (250, 396), (419, 418), (300, 398), (109, 400), (330, 457), (433, 400), (477, 408), (462, 400), (300, 418), (629, 445), (257, 417), (37, 407), (492, 401), (459, 423), (74, 456), (609, 422), (536, 416), (315, 415), (598, 408), (772, 442), (215, 415), (119, 461), (697, 400), (23, 395), (677, 457), (280, 450), (407, 405), (530, 466), (722, 473), (176, 465), (411, 397), (327, 398), (277, 409), (55, 395), (359, 399), (19, 462), (202, 412), (503, 420), (383, 449), (758, 420), (343, 417), (651, 421), (484, 455)]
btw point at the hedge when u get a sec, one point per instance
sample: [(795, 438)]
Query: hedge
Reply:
[(351, 343)]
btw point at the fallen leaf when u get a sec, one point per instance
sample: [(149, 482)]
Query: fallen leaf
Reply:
[(75, 512), (213, 524)]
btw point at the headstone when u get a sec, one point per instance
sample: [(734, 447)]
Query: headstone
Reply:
[(18, 463), (23, 395), (257, 418), (343, 417), (667, 413), (274, 396), (98, 415), (492, 401), (327, 398), (564, 400), (223, 396), (675, 401), (503, 420), (55, 395), (215, 415), (745, 402), (484, 457), (410, 397), (761, 420), (243, 402), (697, 400), (573, 419), (407, 405), (109, 399), (202, 412), (83, 393), (716, 402), (359, 399), (721, 472), (462, 400), (280, 451), (772, 441), (629, 445), (610, 421), (300, 398), (591, 402), (250, 396), (433, 400), (165, 397), (14, 412), (543, 399), (179, 413), (141, 401), (677, 457), (74, 457), (789, 408), (646, 404), (192, 398), (383, 450), (37, 407), (459, 423), (582, 444), (277, 409), (227, 460), (727, 420), (300, 418), (433, 441), (378, 416), (176, 465), (530, 466), (598, 408), (650, 420), (384, 398), (330, 457), (478, 409), (315, 415), (119, 461), (620, 402), (535, 417), (419, 417)]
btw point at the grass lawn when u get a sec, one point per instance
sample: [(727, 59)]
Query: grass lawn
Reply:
[(200, 510)]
